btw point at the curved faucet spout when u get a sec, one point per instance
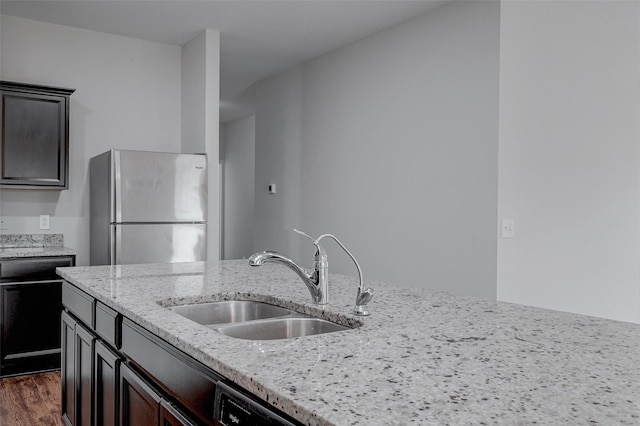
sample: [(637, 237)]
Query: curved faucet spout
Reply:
[(315, 281)]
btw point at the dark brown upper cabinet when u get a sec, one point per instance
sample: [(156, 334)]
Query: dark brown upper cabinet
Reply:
[(34, 151)]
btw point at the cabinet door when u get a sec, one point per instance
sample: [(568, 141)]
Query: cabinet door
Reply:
[(171, 416), (186, 381), (68, 369), (34, 148), (85, 341), (139, 402), (77, 372), (106, 373)]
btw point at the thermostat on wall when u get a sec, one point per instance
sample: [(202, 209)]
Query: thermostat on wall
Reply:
[(272, 188)]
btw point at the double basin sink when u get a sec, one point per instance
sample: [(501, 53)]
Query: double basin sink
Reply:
[(252, 320)]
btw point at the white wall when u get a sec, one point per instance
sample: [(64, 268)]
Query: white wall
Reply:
[(390, 144), (128, 95), (239, 189), (278, 160), (570, 156), (200, 119)]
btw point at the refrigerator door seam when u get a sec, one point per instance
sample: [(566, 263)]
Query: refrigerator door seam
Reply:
[(160, 223), (117, 204)]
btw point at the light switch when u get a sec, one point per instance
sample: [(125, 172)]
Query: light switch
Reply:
[(507, 229), (272, 188), (44, 221)]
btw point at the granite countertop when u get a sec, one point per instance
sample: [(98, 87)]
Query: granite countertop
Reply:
[(422, 357), (33, 245)]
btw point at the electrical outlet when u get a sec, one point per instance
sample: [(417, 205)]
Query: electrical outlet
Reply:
[(507, 229), (44, 221)]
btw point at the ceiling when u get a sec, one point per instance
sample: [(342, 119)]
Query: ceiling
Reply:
[(257, 38)]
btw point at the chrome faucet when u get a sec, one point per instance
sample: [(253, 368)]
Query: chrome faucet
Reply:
[(317, 281)]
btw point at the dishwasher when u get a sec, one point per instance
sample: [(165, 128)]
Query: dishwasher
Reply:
[(233, 408)]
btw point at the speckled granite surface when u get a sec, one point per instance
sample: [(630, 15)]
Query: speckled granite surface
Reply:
[(33, 245), (422, 357)]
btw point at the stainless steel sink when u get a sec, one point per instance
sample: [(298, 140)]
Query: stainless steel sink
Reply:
[(230, 311), (245, 319), (281, 328)]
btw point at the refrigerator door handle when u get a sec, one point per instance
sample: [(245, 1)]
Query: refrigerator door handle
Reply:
[(117, 201)]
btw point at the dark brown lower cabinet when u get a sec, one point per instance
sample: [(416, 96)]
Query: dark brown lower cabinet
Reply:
[(30, 335), (100, 389), (85, 341), (68, 369), (178, 377), (30, 305), (77, 372), (142, 405), (139, 402), (106, 376), (171, 416)]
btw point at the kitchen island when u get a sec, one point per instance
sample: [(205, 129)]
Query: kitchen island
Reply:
[(421, 357)]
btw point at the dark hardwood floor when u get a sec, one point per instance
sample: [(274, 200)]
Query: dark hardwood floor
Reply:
[(30, 400)]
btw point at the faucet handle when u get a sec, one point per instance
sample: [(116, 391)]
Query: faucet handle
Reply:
[(362, 298)]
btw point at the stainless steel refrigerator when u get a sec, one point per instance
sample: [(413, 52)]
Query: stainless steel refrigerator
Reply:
[(148, 207)]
